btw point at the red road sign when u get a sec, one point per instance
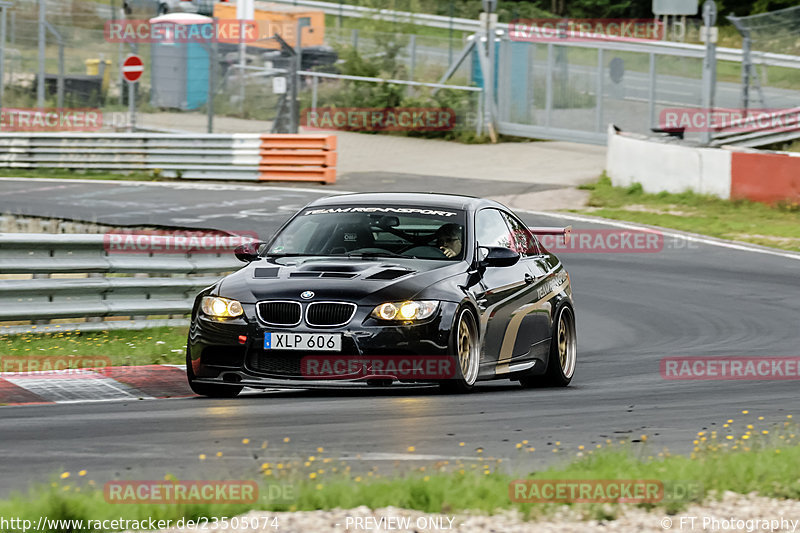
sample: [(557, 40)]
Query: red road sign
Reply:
[(132, 68)]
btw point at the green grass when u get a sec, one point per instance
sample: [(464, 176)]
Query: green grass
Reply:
[(743, 457), (164, 345), (769, 225)]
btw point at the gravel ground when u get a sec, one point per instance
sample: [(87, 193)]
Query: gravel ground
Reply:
[(733, 513)]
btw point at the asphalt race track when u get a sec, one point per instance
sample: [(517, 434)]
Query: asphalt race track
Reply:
[(633, 309)]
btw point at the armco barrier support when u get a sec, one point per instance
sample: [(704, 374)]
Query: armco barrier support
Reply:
[(192, 156), (298, 158), (666, 164)]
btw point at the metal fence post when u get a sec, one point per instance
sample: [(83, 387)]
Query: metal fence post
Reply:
[(314, 88), (3, 7), (412, 52), (42, 37), (212, 73), (651, 103), (598, 122), (60, 73), (709, 64), (548, 97)]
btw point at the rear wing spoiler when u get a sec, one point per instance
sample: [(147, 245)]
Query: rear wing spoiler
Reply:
[(566, 232)]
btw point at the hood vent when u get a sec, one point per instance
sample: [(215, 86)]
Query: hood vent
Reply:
[(322, 267), (344, 275), (390, 273), (266, 273), (304, 275)]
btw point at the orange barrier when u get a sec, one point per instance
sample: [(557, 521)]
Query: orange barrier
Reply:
[(292, 157), (765, 177)]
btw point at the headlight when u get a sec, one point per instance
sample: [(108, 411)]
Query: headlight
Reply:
[(221, 307), (418, 310)]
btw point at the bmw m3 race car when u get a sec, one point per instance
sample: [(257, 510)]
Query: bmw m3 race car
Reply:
[(380, 288)]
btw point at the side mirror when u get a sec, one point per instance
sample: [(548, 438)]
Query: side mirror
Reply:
[(497, 256), (248, 251)]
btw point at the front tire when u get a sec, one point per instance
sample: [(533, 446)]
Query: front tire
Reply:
[(465, 347), (209, 389), (563, 354)]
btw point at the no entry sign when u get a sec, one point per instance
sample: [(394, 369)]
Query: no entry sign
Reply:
[(132, 68)]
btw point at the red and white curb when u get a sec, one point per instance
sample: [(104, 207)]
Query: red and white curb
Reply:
[(94, 385)]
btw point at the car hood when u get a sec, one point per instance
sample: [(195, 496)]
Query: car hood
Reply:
[(356, 280)]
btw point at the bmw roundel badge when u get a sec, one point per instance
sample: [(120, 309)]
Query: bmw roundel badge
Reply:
[(306, 295)]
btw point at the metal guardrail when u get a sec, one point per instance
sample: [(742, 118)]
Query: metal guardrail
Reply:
[(471, 25), (102, 293), (776, 127), (193, 156)]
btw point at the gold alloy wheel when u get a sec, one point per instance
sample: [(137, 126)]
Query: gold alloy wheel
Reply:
[(566, 342), (468, 349), (464, 345)]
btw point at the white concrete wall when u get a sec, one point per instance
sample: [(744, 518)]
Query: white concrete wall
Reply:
[(667, 166)]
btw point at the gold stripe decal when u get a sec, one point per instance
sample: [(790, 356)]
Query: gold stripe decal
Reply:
[(559, 283)]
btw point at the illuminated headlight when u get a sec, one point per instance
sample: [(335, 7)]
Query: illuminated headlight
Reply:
[(221, 307), (418, 310)]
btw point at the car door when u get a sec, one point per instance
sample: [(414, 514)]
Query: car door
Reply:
[(500, 292), (533, 315)]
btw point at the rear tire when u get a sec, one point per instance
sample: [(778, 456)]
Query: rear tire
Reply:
[(465, 347), (209, 389), (563, 355)]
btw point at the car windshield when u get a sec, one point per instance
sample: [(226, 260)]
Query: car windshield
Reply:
[(372, 231)]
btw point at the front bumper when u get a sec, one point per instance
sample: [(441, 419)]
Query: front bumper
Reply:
[(231, 352)]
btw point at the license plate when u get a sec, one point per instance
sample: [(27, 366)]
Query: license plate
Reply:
[(318, 342)]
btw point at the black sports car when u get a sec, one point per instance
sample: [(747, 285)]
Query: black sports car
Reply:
[(378, 288)]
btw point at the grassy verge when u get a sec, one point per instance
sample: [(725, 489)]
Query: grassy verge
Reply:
[(740, 457), (165, 345), (777, 226)]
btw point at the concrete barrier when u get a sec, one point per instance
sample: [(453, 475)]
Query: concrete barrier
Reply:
[(765, 176), (669, 165)]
